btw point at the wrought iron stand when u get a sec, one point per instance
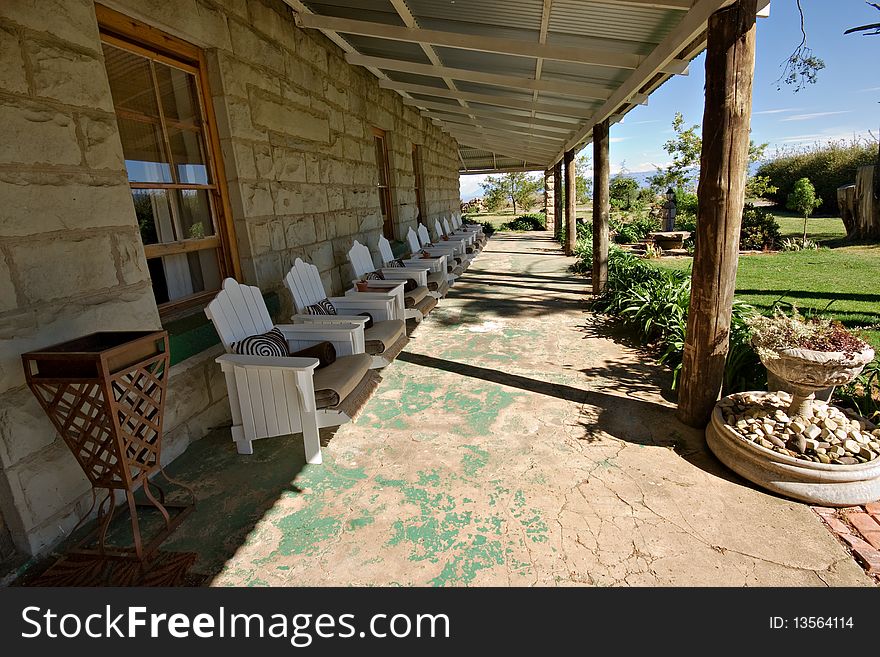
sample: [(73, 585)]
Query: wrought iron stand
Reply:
[(105, 394)]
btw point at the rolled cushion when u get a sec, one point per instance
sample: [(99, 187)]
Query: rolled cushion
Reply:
[(325, 352), (369, 322), (436, 280), (271, 343), (336, 381), (411, 299), (382, 335)]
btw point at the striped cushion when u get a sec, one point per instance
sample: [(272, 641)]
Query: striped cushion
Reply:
[(374, 276), (323, 307), (397, 262), (271, 343)]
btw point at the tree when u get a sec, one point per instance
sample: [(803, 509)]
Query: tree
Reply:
[(685, 149), (803, 200), (583, 183), (515, 188), (623, 192)]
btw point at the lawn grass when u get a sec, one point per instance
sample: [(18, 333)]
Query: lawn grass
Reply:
[(844, 276)]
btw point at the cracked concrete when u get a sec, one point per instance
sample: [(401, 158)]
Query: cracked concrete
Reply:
[(516, 441)]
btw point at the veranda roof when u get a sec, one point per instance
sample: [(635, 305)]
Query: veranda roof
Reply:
[(517, 82)]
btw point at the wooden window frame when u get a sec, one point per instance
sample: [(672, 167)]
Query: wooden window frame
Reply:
[(385, 191), (419, 183), (122, 31)]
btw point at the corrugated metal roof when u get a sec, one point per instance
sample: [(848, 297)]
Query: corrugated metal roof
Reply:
[(614, 38)]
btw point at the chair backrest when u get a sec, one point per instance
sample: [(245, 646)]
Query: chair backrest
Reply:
[(304, 283), (446, 227), (360, 259), (424, 237), (238, 311), (438, 229), (385, 252)]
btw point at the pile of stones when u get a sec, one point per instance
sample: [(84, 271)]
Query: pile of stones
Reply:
[(829, 435)]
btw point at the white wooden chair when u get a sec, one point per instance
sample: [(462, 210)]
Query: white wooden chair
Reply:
[(473, 241), (466, 242), (383, 340), (453, 249), (442, 256), (435, 268), (271, 396), (417, 303)]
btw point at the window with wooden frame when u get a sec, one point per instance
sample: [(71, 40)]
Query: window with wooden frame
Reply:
[(381, 144), (419, 185), (171, 149)]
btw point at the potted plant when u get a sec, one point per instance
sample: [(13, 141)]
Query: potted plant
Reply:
[(808, 354)]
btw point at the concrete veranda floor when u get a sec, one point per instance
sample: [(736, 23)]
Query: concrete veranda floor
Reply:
[(514, 442)]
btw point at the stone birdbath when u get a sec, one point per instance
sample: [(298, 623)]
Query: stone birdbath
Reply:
[(791, 443)]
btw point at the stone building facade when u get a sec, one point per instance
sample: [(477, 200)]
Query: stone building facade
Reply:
[(295, 128)]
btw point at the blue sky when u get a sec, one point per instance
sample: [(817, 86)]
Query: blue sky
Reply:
[(843, 104)]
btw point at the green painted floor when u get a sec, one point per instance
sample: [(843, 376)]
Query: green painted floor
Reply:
[(516, 441)]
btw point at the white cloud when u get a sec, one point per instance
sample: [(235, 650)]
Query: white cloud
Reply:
[(869, 89), (814, 115), (782, 110), (642, 122), (617, 140)]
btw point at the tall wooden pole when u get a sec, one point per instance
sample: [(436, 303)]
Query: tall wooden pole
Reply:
[(601, 205), (730, 65), (570, 220), (557, 200)]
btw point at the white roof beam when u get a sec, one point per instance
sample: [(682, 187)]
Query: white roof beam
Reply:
[(458, 119), (573, 89), (575, 111), (492, 113), (545, 142), (531, 152), (481, 43)]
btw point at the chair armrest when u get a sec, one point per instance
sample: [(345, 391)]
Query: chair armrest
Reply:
[(267, 362), (431, 264), (379, 304), (346, 337), (420, 275), (323, 320)]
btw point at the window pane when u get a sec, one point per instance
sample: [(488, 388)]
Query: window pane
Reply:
[(144, 151), (188, 156), (194, 208), (153, 210), (177, 276), (177, 90), (131, 83)]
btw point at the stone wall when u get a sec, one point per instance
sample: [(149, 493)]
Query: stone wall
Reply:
[(295, 124), (550, 199)]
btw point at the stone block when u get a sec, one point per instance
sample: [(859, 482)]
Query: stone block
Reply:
[(278, 114), (46, 485), (24, 427), (335, 198), (317, 170), (306, 76), (267, 268), (101, 145), (314, 199), (8, 298), (12, 73), (255, 48), (335, 93), (129, 257), (68, 76), (194, 20), (297, 94), (290, 165), (309, 50), (354, 125), (33, 134), (288, 198), (187, 392), (256, 199), (236, 76), (360, 197), (276, 236), (277, 26), (238, 159), (63, 267), (321, 255), (300, 231), (234, 119), (260, 241), (71, 20)]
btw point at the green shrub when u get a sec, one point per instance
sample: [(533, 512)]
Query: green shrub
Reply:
[(759, 231), (829, 165), (685, 203), (623, 192), (635, 230), (525, 222)]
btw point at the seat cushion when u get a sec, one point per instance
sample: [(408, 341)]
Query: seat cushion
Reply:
[(334, 382), (271, 343), (426, 305), (413, 298), (383, 335)]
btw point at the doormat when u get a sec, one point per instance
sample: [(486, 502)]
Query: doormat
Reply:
[(166, 569)]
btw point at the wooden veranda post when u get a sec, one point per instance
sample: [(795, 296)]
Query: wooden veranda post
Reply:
[(570, 219), (557, 200), (601, 206), (730, 65)]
